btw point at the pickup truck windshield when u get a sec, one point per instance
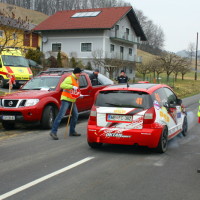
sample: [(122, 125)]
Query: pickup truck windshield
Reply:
[(16, 61), (44, 82), (126, 99)]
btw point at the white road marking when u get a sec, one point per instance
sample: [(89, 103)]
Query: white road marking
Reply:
[(35, 182)]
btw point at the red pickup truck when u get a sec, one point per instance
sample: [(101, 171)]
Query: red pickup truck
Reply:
[(39, 98)]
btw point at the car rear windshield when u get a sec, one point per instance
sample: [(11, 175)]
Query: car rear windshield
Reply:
[(123, 98)]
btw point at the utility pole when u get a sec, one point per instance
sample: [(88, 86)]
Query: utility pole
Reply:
[(196, 58)]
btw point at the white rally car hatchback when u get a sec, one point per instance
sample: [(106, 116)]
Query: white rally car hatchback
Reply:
[(142, 114)]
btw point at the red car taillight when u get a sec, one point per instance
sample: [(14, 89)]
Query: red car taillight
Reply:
[(149, 116), (93, 116)]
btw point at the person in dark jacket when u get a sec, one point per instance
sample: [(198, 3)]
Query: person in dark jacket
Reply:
[(94, 77), (122, 78)]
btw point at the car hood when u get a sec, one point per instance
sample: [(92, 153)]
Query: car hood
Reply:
[(27, 94)]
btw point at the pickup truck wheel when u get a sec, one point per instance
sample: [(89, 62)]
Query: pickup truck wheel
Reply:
[(163, 143), (48, 117), (2, 82), (95, 145), (8, 125)]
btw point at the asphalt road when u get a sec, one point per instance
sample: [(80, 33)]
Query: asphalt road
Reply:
[(34, 167)]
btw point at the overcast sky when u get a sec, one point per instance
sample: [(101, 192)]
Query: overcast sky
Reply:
[(179, 20)]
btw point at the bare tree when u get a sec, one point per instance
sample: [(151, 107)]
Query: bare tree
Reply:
[(155, 35), (157, 68), (144, 68), (98, 59), (185, 67), (170, 62)]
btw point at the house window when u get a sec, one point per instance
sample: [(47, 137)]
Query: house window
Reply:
[(86, 14), (27, 37), (56, 47), (116, 30), (1, 33), (127, 33), (112, 48), (34, 40), (130, 51), (121, 52), (86, 47)]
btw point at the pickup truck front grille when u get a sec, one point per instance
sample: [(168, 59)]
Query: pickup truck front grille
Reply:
[(12, 103)]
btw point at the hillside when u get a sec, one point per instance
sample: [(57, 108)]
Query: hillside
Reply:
[(145, 55), (34, 16)]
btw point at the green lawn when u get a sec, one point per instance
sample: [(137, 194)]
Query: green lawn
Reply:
[(183, 88)]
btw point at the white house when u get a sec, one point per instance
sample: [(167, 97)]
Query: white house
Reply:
[(100, 34)]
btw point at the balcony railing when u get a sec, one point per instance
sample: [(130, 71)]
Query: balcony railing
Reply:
[(125, 38)]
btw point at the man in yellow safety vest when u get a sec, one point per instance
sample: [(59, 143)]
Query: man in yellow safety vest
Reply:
[(69, 95)]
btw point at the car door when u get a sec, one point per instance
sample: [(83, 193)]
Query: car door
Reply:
[(84, 103), (159, 101), (174, 111)]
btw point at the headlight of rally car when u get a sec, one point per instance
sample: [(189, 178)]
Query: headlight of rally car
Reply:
[(31, 102)]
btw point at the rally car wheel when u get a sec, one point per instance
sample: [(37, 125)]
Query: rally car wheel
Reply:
[(185, 127), (48, 117), (94, 145), (8, 125), (163, 143)]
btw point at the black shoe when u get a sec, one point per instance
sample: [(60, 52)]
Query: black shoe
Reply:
[(74, 134), (54, 136)]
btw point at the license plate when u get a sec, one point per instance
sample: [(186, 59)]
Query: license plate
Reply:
[(120, 118), (8, 117)]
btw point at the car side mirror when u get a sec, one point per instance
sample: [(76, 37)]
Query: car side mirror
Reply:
[(166, 105)]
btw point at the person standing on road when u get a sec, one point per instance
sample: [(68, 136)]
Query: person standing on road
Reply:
[(69, 85), (94, 77), (122, 78)]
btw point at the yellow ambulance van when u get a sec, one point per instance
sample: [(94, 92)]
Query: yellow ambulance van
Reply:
[(14, 63)]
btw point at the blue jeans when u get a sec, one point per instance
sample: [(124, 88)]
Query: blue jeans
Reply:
[(63, 109)]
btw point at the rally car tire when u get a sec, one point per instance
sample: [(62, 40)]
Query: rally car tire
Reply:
[(163, 142), (95, 145), (8, 125), (185, 127), (48, 117)]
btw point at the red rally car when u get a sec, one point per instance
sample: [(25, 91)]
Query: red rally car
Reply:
[(137, 114)]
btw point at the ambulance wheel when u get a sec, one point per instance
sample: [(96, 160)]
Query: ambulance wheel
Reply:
[(2, 82), (185, 127), (8, 125), (95, 145), (163, 142), (48, 117)]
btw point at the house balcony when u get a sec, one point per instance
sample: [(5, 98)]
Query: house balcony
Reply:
[(126, 39)]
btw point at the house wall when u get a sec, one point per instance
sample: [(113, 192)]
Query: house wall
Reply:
[(19, 40), (101, 40), (71, 42)]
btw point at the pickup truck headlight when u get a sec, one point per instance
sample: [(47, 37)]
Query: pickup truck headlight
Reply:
[(31, 102)]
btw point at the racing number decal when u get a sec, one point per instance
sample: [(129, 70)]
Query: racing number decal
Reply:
[(139, 101)]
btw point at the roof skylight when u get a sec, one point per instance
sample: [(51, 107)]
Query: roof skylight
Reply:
[(86, 14)]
